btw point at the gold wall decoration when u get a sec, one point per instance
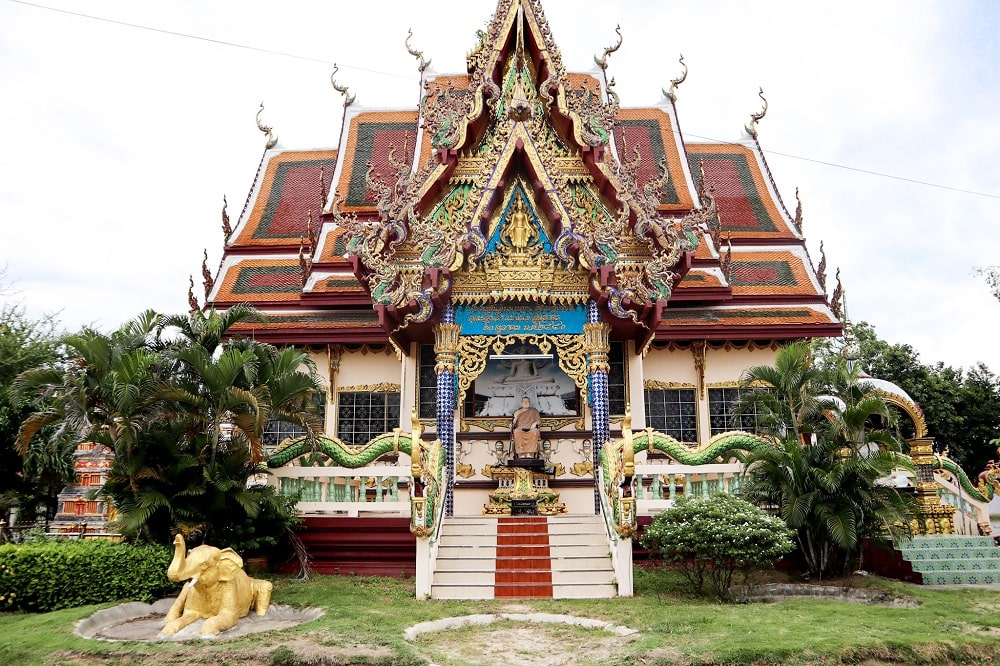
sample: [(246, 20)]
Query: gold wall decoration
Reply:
[(383, 387), (492, 423), (698, 349), (656, 384), (473, 351), (446, 346), (911, 409), (597, 345)]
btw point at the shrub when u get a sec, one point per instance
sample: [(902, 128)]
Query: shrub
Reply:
[(43, 577), (717, 537)]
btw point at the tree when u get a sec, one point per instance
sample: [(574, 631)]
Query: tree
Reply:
[(961, 407), (829, 449), (719, 537), (992, 276), (184, 408), (34, 480)]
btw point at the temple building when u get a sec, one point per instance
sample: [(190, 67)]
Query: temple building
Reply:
[(521, 237)]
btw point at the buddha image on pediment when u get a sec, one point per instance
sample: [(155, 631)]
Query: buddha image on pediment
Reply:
[(524, 373)]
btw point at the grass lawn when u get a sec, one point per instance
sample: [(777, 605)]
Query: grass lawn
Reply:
[(365, 619)]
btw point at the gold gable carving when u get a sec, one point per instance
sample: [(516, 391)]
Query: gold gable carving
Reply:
[(520, 275)]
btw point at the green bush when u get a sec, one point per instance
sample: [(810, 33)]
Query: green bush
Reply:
[(44, 577), (717, 538)]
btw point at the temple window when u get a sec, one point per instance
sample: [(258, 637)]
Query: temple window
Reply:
[(722, 404), (616, 379), (427, 383), (673, 412), (276, 432), (363, 415)]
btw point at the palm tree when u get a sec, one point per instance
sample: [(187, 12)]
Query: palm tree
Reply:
[(230, 391), (821, 476), (105, 392)]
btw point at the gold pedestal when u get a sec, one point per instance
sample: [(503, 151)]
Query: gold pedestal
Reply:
[(517, 483)]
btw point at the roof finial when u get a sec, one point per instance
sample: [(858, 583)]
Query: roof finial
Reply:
[(798, 211), (323, 192), (272, 140), (419, 55), (602, 62), (838, 294), (310, 230), (348, 98), (674, 83), (227, 229), (754, 117), (304, 263), (206, 276), (192, 301), (727, 260), (821, 270)]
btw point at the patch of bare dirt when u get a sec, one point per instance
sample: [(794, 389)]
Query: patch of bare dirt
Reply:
[(534, 645)]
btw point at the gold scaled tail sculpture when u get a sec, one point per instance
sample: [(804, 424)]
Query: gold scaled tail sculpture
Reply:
[(218, 590)]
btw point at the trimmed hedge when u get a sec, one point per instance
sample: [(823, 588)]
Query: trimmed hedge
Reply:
[(49, 576)]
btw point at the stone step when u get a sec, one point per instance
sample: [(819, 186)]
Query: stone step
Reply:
[(951, 553), (928, 542), (956, 565), (582, 576), (960, 577), (602, 591)]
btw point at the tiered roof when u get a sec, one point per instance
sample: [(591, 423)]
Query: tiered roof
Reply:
[(367, 242)]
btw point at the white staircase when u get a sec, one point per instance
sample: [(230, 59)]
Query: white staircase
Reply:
[(561, 557)]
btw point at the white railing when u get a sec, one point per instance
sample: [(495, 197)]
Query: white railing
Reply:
[(658, 485), (380, 489), (620, 549), (968, 512)]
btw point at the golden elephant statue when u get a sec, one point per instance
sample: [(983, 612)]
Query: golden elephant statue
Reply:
[(219, 590)]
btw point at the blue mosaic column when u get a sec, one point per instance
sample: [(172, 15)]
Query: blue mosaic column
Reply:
[(446, 352), (597, 346)]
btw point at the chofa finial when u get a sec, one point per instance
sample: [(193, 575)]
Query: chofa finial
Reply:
[(838, 294), (192, 301), (419, 55), (272, 140), (206, 277), (798, 211), (674, 83), (602, 62), (754, 117), (348, 98), (227, 229)]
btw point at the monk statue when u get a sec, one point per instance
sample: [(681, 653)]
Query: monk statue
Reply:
[(524, 426)]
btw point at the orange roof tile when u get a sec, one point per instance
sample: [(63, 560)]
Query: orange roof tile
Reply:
[(289, 190), (370, 138), (650, 132), (261, 281), (746, 207), (778, 272)]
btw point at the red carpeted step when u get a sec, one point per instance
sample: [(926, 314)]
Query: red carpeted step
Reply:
[(524, 564)]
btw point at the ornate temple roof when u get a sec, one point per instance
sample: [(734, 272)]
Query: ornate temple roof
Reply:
[(675, 240)]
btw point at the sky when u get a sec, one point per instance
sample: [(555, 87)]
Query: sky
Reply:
[(120, 142)]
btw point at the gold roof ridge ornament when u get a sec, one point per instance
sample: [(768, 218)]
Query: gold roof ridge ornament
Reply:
[(602, 62), (419, 55), (343, 90), (520, 269), (272, 140), (675, 83), (755, 117)]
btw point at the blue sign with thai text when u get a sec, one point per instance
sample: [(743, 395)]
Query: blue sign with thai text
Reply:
[(520, 319)]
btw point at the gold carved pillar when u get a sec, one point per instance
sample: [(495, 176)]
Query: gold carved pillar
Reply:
[(934, 517)]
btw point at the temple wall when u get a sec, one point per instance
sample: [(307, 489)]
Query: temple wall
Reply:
[(666, 368)]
